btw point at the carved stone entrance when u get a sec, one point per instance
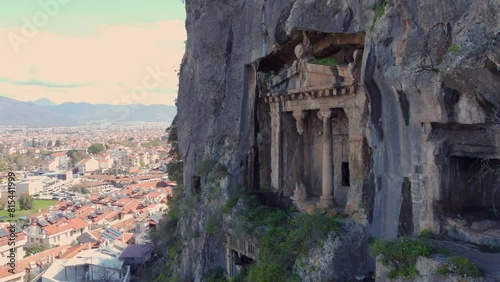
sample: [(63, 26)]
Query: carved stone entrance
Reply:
[(240, 253), (315, 125)]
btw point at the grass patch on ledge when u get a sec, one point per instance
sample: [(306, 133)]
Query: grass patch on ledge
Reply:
[(426, 234), (460, 266), (325, 62), (283, 235), (401, 255)]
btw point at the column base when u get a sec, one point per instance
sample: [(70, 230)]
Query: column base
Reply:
[(327, 202)]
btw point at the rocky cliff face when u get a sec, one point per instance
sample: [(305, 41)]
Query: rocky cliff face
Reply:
[(430, 80)]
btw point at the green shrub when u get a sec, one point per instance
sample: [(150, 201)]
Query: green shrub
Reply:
[(465, 267), (379, 11), (401, 255), (212, 224), (454, 48), (371, 239), (206, 166), (36, 248), (325, 61), (405, 271), (214, 192), (426, 234), (216, 276), (460, 266), (230, 203), (443, 269), (167, 237), (287, 235), (443, 251)]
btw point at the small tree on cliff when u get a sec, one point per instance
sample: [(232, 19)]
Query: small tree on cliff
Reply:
[(175, 169)]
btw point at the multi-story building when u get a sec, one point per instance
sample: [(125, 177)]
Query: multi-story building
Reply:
[(49, 165), (88, 164), (62, 160), (30, 187), (52, 232)]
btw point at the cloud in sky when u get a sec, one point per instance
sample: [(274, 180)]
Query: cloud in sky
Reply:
[(41, 83), (95, 51)]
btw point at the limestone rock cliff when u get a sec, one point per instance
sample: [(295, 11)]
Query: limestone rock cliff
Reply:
[(428, 86)]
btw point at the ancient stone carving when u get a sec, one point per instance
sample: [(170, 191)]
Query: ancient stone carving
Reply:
[(303, 52), (300, 192), (299, 119), (324, 114)]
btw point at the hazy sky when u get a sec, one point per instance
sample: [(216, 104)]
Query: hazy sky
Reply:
[(96, 51)]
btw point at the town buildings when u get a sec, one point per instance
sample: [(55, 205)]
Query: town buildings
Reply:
[(99, 226)]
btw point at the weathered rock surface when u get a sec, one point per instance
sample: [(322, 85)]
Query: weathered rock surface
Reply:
[(341, 258), (425, 63), (427, 268)]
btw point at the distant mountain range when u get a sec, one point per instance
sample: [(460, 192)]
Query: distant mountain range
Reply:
[(44, 102), (45, 113)]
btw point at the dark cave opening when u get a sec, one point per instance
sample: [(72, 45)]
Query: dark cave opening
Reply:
[(197, 184), (345, 174), (472, 188)]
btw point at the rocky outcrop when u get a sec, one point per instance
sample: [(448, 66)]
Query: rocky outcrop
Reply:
[(427, 66), (342, 257), (427, 272)]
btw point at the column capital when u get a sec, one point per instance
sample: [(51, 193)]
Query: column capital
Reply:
[(275, 109), (324, 114), (299, 116)]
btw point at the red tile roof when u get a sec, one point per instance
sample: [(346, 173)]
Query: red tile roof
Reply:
[(94, 198), (126, 224), (96, 234), (65, 225), (107, 215), (56, 252), (125, 237), (84, 161), (73, 251), (35, 215), (154, 194), (77, 223), (131, 206), (53, 229), (84, 211), (122, 202), (60, 204)]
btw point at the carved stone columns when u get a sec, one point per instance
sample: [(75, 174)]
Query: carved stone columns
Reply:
[(275, 146), (326, 199)]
